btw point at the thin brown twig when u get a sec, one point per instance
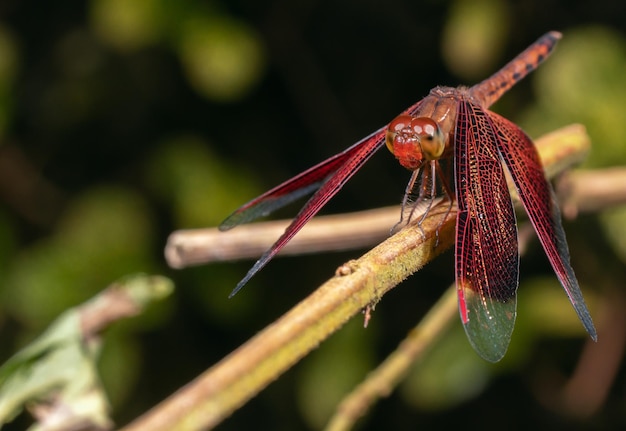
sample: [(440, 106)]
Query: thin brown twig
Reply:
[(592, 190), (335, 232)]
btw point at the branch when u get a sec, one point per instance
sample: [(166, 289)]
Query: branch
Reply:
[(334, 232), (357, 285), (591, 191)]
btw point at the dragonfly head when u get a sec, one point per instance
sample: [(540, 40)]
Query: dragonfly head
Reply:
[(414, 140)]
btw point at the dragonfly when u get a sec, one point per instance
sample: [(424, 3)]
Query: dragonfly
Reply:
[(455, 125)]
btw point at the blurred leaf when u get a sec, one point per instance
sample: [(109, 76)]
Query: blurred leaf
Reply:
[(58, 366), (202, 188), (127, 25), (223, 58), (209, 288), (102, 236), (330, 372), (74, 90), (474, 36), (547, 310), (120, 382), (450, 373), (614, 225)]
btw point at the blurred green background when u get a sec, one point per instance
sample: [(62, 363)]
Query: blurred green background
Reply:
[(121, 121)]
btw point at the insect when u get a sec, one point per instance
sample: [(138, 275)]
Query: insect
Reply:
[(455, 125)]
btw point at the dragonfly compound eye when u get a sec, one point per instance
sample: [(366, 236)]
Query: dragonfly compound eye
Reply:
[(413, 140), (398, 129), (430, 136)]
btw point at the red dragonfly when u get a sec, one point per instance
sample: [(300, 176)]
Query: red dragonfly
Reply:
[(454, 124)]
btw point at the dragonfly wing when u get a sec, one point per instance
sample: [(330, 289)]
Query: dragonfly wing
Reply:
[(487, 259), (535, 192), (303, 183), (330, 176), (344, 166), (294, 188)]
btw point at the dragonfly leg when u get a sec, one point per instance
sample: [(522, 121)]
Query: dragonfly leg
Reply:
[(407, 203), (429, 189), (448, 196)]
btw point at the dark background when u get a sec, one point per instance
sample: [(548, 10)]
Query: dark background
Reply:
[(121, 121)]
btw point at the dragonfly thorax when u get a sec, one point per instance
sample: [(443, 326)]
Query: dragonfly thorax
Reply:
[(414, 140)]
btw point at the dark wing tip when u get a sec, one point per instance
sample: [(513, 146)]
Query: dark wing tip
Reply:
[(255, 268), (230, 222), (238, 287), (241, 284), (585, 318)]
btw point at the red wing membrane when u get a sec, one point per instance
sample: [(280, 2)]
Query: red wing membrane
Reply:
[(487, 260), (356, 156), (295, 188), (522, 160), (330, 176)]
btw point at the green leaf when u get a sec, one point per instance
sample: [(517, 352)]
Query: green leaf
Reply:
[(58, 370)]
